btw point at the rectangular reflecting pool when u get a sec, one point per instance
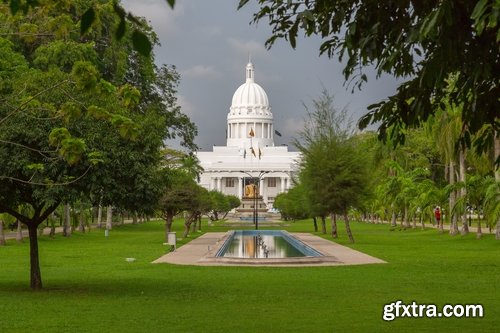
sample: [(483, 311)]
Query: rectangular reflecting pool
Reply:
[(264, 244)]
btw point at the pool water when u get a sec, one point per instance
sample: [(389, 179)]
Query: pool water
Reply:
[(264, 244)]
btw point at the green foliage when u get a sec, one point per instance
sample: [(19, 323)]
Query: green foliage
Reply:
[(492, 201), (141, 294), (85, 75), (64, 54), (221, 204), (88, 18), (421, 43), (293, 204), (333, 169), (91, 136)]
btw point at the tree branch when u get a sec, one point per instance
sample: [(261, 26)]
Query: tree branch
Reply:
[(47, 184)]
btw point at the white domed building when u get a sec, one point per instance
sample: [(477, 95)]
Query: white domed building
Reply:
[(250, 156)]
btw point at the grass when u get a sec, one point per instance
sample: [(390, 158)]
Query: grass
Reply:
[(89, 287)]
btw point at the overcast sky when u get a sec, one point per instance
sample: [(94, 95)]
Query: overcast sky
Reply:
[(209, 43)]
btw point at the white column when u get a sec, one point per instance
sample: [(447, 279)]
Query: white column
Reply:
[(282, 181), (264, 189), (219, 185), (261, 187), (240, 187)]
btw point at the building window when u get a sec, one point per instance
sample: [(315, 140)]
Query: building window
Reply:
[(229, 182), (271, 182)]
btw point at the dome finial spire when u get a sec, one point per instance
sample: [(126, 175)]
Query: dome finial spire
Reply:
[(249, 70)]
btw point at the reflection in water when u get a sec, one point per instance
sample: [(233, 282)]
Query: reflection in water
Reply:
[(261, 246)]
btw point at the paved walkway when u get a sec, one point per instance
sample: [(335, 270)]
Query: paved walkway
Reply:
[(201, 251)]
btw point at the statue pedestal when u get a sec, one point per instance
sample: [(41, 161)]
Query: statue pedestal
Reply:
[(247, 208)]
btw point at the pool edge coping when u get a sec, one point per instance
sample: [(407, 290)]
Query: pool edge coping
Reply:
[(201, 252)]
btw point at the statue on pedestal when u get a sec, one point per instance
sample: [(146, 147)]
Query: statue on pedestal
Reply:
[(251, 191)]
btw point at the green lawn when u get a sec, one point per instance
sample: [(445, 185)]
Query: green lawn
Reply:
[(89, 287)]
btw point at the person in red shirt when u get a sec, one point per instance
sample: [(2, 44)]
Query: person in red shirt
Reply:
[(437, 215)]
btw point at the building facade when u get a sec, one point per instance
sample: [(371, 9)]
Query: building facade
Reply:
[(250, 156)]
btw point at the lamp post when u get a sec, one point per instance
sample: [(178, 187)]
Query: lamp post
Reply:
[(255, 196)]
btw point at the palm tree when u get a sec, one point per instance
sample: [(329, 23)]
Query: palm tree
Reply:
[(446, 134)]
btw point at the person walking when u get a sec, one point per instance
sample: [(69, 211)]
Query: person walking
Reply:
[(437, 216)]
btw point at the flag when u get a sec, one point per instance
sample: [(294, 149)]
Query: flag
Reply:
[(260, 153), (277, 133), (252, 134), (253, 151)]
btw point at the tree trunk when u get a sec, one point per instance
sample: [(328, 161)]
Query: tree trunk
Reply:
[(187, 224), (52, 232), (36, 276), (19, 234), (422, 222), (199, 222), (479, 232), (134, 218), (414, 222), (169, 218), (393, 219), (463, 191), (405, 219), (99, 217), (81, 221), (2, 233), (193, 226), (67, 221), (348, 228), (315, 223), (334, 226), (323, 224), (440, 224), (109, 217), (452, 200)]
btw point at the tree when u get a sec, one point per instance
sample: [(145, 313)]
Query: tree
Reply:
[(222, 204), (292, 204), (199, 203), (141, 41), (421, 43), (333, 170), (81, 99), (175, 197)]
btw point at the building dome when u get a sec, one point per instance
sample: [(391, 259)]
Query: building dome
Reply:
[(250, 93), (250, 113)]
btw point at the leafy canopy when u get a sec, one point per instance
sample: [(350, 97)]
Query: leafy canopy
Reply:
[(421, 42)]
